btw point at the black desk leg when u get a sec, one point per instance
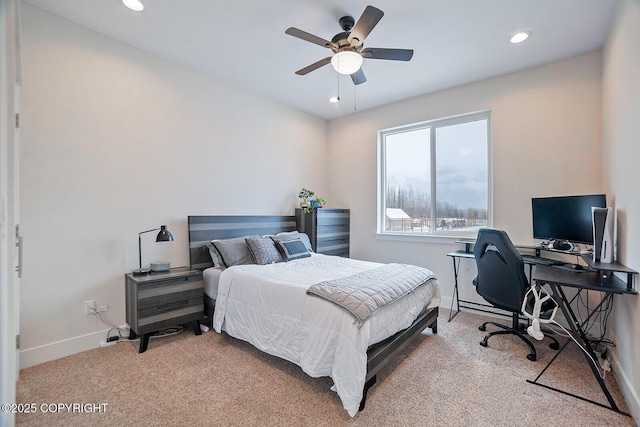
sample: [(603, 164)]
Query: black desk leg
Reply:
[(578, 333), (455, 297)]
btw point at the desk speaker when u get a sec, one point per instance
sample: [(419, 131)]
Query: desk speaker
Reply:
[(602, 234)]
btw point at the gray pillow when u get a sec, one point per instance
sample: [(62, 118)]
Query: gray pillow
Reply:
[(263, 250), (234, 251), (215, 256), (293, 235), (293, 249)]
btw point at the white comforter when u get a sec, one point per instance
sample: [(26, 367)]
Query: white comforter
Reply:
[(268, 307)]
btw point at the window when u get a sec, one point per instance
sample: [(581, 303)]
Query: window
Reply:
[(435, 177)]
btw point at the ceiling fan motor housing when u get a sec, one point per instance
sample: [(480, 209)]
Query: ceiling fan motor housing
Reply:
[(347, 23), (340, 40)]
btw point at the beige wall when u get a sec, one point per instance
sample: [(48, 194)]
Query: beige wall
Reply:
[(116, 141), (621, 137), (546, 141)]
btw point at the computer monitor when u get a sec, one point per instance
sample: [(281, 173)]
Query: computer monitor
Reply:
[(566, 218)]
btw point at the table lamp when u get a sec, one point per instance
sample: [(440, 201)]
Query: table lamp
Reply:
[(163, 236)]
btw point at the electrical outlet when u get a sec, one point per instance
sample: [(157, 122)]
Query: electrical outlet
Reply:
[(102, 308), (89, 307)]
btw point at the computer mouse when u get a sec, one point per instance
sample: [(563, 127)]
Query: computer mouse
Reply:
[(577, 267)]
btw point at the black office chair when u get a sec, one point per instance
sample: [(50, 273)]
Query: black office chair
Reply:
[(502, 282)]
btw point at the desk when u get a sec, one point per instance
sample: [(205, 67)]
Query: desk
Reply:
[(458, 256), (602, 281)]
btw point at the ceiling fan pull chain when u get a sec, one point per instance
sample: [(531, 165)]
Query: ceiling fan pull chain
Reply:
[(355, 98)]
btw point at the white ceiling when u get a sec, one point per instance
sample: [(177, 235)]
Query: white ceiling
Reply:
[(454, 41)]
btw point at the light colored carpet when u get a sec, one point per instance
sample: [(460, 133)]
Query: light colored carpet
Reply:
[(442, 379)]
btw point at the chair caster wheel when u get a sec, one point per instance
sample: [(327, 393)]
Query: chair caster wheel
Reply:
[(531, 357), (482, 327), (554, 346), (483, 343)]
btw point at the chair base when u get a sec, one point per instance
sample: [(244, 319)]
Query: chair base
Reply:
[(515, 329)]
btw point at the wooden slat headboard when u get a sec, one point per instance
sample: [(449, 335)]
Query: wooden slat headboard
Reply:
[(203, 229)]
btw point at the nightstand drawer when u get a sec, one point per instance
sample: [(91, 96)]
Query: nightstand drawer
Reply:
[(166, 301), (151, 285), (170, 311), (151, 291)]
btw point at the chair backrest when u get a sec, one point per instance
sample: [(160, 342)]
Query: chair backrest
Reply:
[(501, 279)]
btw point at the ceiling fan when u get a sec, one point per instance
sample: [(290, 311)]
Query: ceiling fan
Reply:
[(347, 46)]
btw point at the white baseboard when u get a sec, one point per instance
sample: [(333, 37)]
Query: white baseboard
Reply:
[(445, 302), (628, 391), (48, 352)]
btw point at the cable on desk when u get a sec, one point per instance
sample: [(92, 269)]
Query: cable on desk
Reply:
[(601, 371), (601, 315), (599, 343), (552, 321)]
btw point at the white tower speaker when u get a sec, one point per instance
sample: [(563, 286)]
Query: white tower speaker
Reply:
[(602, 234)]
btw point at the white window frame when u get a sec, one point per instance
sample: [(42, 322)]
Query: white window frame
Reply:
[(433, 125)]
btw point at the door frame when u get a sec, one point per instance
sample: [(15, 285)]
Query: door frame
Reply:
[(10, 252)]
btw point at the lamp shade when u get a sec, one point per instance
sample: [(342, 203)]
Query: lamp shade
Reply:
[(346, 62), (164, 235)]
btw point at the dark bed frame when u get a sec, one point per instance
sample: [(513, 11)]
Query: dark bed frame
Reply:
[(203, 229)]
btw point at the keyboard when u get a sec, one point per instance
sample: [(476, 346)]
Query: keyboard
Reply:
[(532, 259)]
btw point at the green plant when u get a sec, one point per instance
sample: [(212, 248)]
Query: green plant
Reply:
[(310, 201)]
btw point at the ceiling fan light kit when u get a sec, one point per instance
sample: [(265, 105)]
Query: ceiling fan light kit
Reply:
[(346, 62), (348, 54)]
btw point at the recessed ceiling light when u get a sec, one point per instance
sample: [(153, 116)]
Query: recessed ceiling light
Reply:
[(520, 37), (133, 5), (334, 99)]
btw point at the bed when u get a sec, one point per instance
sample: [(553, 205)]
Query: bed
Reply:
[(269, 306)]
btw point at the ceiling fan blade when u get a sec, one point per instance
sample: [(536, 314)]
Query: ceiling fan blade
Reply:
[(295, 32), (314, 66), (392, 54), (358, 77), (369, 19)]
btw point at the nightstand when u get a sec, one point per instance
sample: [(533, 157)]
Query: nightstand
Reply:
[(160, 300)]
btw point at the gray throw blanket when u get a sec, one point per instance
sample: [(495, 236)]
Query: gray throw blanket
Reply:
[(367, 292)]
